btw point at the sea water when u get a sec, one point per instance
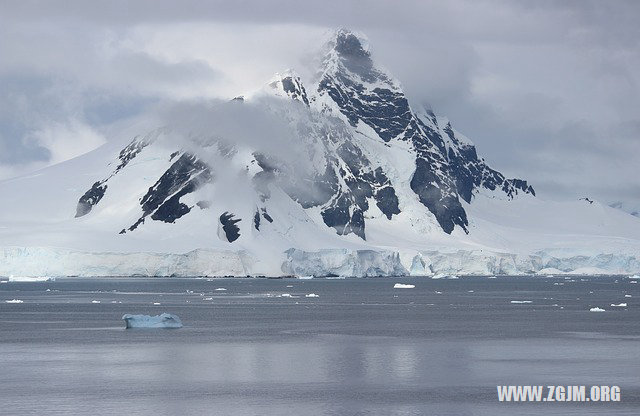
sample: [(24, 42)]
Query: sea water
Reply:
[(360, 347)]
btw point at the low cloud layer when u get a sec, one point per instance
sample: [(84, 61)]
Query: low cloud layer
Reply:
[(548, 91)]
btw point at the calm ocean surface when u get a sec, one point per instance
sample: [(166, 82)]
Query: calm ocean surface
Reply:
[(360, 348)]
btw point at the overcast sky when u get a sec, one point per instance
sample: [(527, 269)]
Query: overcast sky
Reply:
[(548, 91)]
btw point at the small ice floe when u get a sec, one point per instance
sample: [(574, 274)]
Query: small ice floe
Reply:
[(453, 277), (285, 295), (95, 301), (403, 286), (491, 277), (289, 285), (220, 289), (521, 301), (114, 301), (208, 299), (469, 291), (633, 281), (14, 301), (619, 305), (305, 277), (635, 276), (550, 275), (596, 309), (438, 292), (156, 303), (627, 296), (165, 320), (13, 278), (311, 295)]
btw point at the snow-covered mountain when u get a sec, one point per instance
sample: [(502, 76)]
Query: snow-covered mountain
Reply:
[(628, 207), (337, 175)]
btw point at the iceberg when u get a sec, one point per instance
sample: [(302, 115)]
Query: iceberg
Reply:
[(521, 301), (166, 320), (403, 286), (311, 295), (30, 279), (635, 276), (14, 301), (619, 305), (596, 309)]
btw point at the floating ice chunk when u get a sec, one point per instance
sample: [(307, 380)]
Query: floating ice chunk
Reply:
[(220, 289), (635, 276), (286, 295), (491, 277), (521, 301), (166, 320), (469, 291), (633, 281), (403, 286), (596, 309), (305, 277), (627, 296), (289, 285), (208, 299), (14, 301), (156, 303), (619, 305), (311, 295), (438, 293), (453, 277), (550, 276), (13, 278), (95, 301)]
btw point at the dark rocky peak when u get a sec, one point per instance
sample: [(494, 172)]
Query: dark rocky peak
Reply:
[(348, 54), (349, 45), (290, 85)]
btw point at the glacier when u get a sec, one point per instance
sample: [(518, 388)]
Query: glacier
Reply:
[(165, 320), (340, 175), (46, 261)]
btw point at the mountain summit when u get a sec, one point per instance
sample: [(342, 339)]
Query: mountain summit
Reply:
[(334, 175)]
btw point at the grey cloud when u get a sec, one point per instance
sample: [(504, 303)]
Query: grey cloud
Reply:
[(548, 90)]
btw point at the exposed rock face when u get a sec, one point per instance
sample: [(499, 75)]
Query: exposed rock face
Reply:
[(446, 168)]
